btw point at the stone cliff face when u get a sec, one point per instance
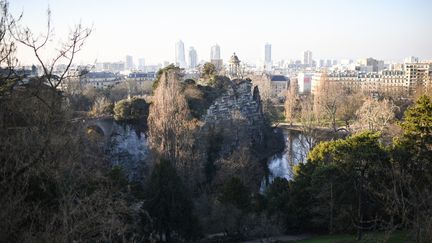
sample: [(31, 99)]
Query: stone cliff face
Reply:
[(238, 102), (234, 124), (238, 116)]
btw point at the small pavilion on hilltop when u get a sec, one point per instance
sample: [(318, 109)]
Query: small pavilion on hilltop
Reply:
[(234, 66)]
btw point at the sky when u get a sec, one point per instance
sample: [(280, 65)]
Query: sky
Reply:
[(332, 29)]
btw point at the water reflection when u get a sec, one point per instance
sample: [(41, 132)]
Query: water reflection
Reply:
[(281, 164)]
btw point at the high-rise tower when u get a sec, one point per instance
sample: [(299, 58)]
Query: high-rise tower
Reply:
[(307, 58), (215, 52), (267, 53), (180, 54), (129, 62), (193, 57)]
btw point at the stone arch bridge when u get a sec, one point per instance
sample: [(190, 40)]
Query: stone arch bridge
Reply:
[(102, 125)]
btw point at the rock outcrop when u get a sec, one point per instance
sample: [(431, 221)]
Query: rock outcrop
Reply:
[(237, 114), (238, 98)]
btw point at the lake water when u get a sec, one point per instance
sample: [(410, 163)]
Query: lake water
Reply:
[(129, 150), (281, 164)]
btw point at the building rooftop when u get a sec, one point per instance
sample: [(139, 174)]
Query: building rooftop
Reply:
[(278, 78), (100, 75), (138, 75)]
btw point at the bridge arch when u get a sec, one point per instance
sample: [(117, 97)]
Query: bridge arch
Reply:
[(99, 127)]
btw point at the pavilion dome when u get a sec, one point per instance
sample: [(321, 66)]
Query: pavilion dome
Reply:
[(234, 59)]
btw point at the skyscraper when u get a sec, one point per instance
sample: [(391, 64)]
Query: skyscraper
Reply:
[(129, 62), (321, 63), (180, 54), (307, 58), (215, 57), (193, 58), (141, 64), (267, 53), (215, 52)]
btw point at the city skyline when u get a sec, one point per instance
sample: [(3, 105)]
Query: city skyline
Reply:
[(180, 57), (267, 53), (387, 30)]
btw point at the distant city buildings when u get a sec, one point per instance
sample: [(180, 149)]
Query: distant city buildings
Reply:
[(321, 63), (100, 80), (267, 65), (307, 58), (141, 64), (113, 67), (304, 80), (215, 57), (411, 77), (411, 59), (368, 74), (180, 54), (129, 63), (193, 58), (215, 52), (267, 53), (278, 85), (141, 76), (417, 74), (370, 65)]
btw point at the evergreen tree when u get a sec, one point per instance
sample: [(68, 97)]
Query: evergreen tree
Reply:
[(415, 145), (168, 205), (345, 172), (412, 159), (234, 192)]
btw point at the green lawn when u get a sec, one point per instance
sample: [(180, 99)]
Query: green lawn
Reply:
[(397, 237)]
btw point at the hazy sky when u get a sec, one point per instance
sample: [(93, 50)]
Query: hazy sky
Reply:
[(385, 29)]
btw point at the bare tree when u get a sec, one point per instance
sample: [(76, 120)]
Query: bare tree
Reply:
[(310, 125), (8, 47), (172, 130), (374, 115), (242, 165), (327, 100), (47, 166), (50, 98), (263, 83), (101, 106), (291, 102), (352, 100), (65, 53)]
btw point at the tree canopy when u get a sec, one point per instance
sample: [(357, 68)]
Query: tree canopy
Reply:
[(168, 205)]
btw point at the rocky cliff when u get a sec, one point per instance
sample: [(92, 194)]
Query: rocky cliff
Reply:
[(238, 115), (238, 98)]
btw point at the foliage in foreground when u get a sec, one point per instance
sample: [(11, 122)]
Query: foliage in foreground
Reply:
[(358, 184), (167, 205)]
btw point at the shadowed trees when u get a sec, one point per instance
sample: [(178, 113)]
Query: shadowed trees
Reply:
[(168, 205), (54, 183), (360, 184), (410, 192)]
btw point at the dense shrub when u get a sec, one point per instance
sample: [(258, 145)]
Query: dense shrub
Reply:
[(131, 110)]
